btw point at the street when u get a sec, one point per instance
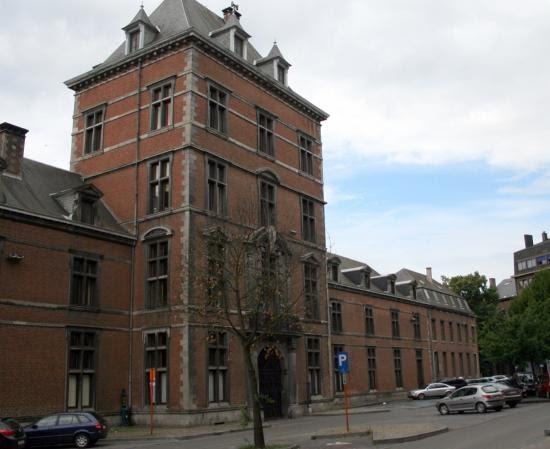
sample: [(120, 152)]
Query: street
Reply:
[(510, 429)]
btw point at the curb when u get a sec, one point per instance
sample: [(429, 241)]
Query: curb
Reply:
[(342, 413), (358, 433), (184, 437), (418, 436)]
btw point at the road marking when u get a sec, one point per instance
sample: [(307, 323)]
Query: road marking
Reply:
[(337, 443)]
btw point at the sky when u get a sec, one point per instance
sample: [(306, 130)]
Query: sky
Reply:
[(436, 152)]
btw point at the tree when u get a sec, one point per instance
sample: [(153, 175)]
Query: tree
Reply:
[(252, 288)]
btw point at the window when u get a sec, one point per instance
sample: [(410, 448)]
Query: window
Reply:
[(216, 286), (468, 365), (466, 336), (265, 133), (332, 271), (336, 315), (217, 187), (366, 278), (461, 363), (459, 331), (369, 320), (87, 209), (390, 287), (397, 368), (338, 377), (451, 334), (156, 357), (395, 323), (445, 367), (442, 330), (371, 366), (81, 374), (217, 109), (436, 365), (93, 132), (84, 281), (157, 274), (306, 155), (133, 41), (281, 74), (310, 291), (473, 334), (159, 185), (314, 365), (419, 369), (416, 326), (434, 329), (308, 220), (267, 204), (453, 363), (239, 46), (217, 367), (161, 105)]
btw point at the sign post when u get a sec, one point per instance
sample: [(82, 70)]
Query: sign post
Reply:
[(152, 381), (343, 369)]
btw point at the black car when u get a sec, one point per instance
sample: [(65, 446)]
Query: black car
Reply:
[(457, 382), (12, 435), (81, 429)]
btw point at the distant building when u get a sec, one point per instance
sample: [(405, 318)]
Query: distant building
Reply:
[(530, 260), (506, 292)]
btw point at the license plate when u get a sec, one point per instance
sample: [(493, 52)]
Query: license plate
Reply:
[(21, 443)]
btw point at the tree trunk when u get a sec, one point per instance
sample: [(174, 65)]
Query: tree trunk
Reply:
[(259, 441)]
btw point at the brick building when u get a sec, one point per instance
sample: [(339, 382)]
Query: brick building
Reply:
[(183, 129), (401, 330), (527, 261)]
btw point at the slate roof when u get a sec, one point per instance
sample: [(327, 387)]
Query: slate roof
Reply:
[(507, 289), (35, 193), (428, 293)]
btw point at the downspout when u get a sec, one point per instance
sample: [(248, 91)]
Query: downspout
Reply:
[(135, 226)]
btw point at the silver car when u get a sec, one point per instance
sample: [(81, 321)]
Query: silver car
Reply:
[(437, 390), (479, 398)]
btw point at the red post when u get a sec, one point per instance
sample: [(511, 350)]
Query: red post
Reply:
[(346, 405), (152, 379)]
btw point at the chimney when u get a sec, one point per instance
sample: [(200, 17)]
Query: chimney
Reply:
[(229, 11), (429, 274), (492, 283), (12, 146), (528, 240), (544, 236)]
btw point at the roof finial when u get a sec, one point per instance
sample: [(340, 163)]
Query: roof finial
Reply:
[(141, 4), (275, 41), (235, 6)]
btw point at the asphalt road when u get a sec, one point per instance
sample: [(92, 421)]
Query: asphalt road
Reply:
[(509, 429)]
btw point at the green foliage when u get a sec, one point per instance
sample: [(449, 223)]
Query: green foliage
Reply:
[(522, 335), (244, 417)]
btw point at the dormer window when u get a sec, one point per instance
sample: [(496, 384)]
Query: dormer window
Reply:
[(281, 74), (366, 278), (391, 286), (134, 41), (332, 271), (239, 46), (87, 210)]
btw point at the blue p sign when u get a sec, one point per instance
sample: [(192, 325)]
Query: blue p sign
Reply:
[(343, 366)]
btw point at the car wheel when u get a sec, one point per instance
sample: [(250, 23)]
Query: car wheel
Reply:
[(443, 409), (481, 408), (512, 404), (421, 396), (81, 440)]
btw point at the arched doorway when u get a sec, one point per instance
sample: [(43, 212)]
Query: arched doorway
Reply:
[(271, 382)]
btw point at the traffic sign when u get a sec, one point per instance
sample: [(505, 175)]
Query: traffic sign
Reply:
[(343, 365)]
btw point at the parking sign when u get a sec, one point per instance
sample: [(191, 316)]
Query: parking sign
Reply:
[(343, 365)]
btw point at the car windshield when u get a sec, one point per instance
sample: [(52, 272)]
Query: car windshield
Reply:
[(489, 389)]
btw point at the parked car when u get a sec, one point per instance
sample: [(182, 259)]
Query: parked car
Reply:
[(12, 435), (527, 382), (512, 394), (436, 390), (479, 398), (457, 382), (82, 429), (479, 380), (543, 386)]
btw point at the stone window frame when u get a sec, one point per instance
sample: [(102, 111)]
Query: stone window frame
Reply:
[(370, 328), (266, 132), (307, 156), (161, 202), (157, 346), (267, 192), (395, 328), (161, 107), (311, 289), (371, 367), (313, 351), (218, 107), (157, 280), (86, 369), (442, 328), (93, 129), (398, 367), (216, 186), (218, 367), (308, 219), (417, 330), (336, 322), (83, 280)]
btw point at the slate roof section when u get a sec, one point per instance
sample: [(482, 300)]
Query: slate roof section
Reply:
[(34, 194), (428, 293), (507, 289), (275, 52), (141, 16)]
